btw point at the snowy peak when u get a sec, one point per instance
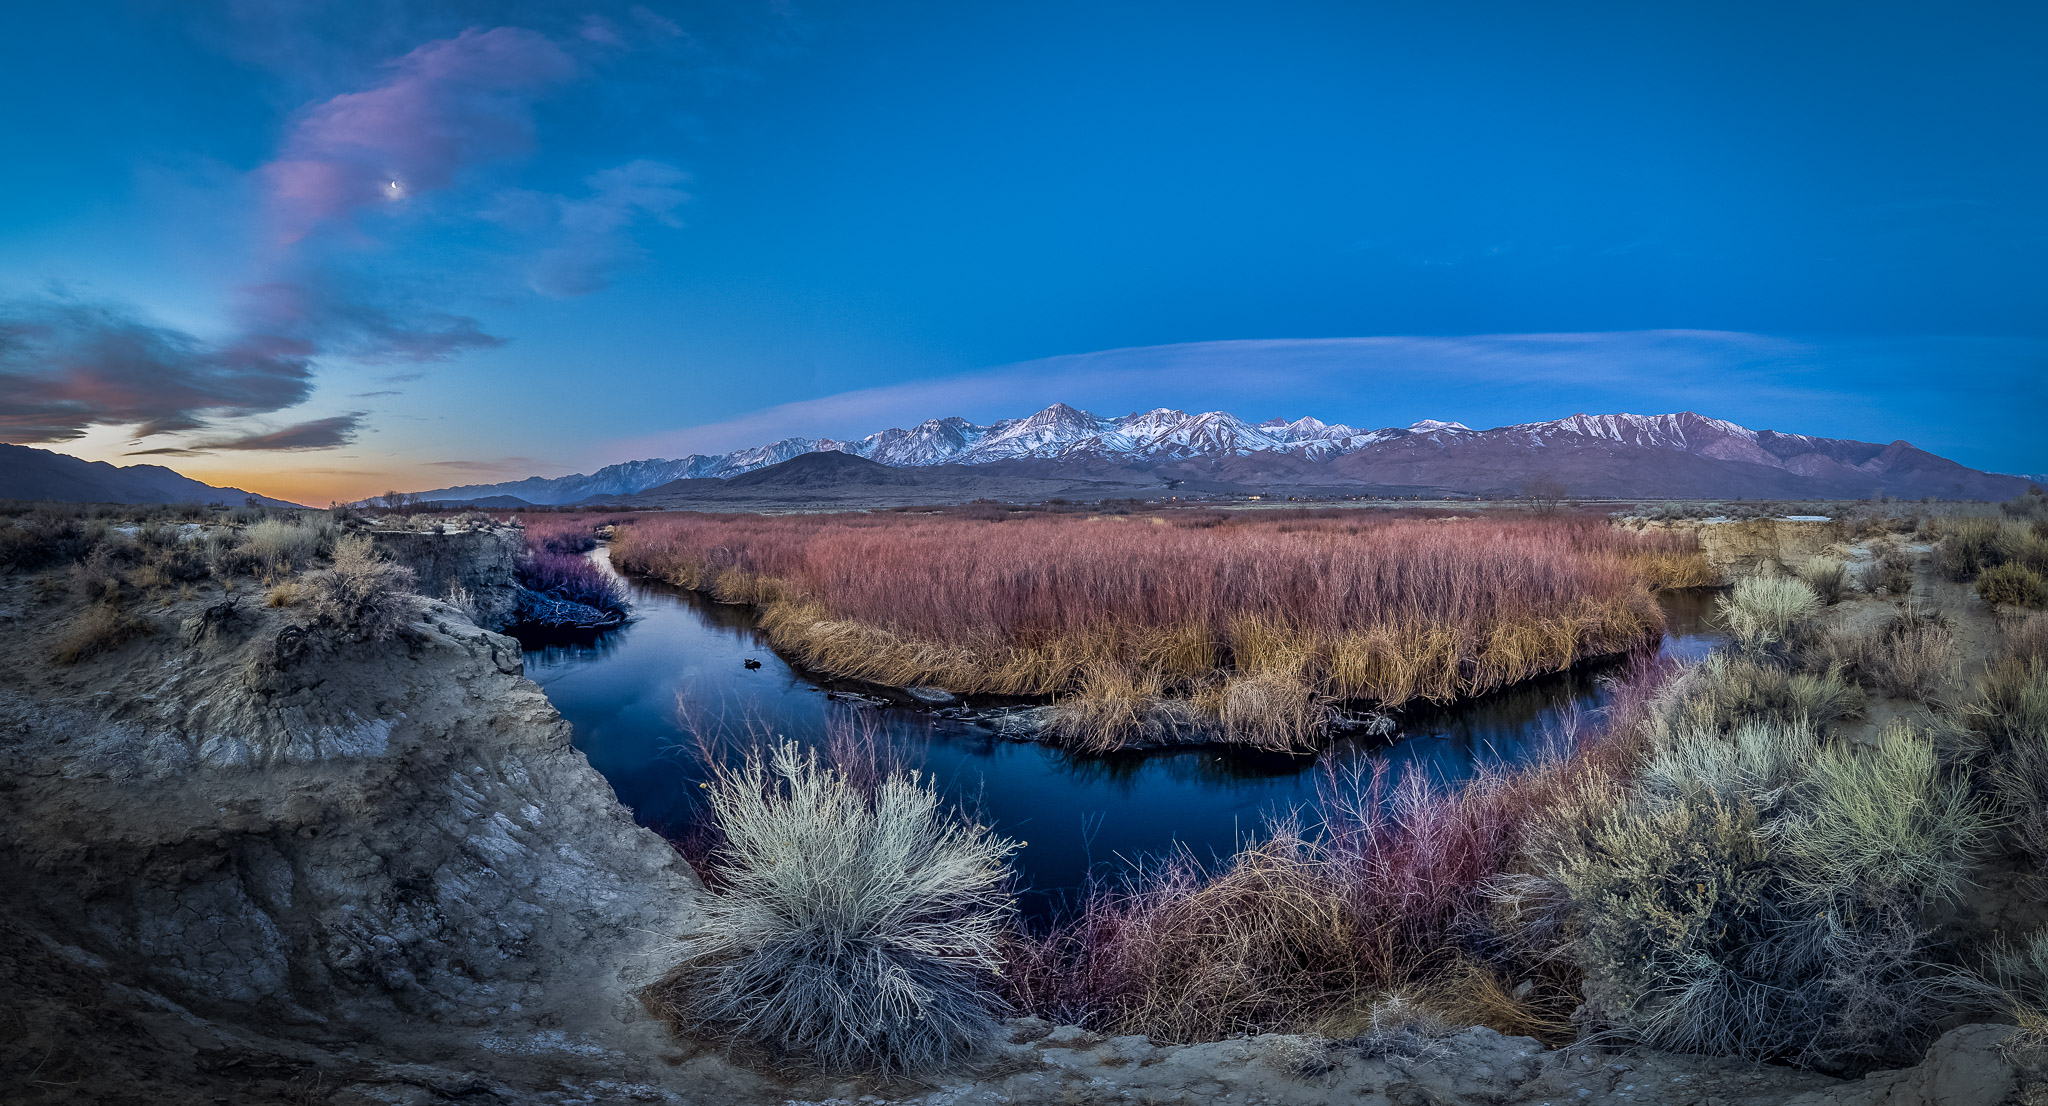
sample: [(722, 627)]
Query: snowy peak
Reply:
[(1166, 435)]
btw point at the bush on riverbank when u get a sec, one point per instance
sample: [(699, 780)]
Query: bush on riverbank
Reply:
[(1246, 627), (856, 927)]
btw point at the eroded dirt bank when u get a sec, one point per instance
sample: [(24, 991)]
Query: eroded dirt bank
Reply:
[(380, 874)]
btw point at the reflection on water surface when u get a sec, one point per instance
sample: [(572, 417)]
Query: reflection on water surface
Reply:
[(621, 694)]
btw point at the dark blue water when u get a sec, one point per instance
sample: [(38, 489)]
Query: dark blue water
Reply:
[(647, 699)]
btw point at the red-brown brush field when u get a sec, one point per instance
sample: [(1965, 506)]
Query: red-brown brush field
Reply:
[(1250, 626)]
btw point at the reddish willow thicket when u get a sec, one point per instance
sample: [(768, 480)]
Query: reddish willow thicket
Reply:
[(1146, 626)]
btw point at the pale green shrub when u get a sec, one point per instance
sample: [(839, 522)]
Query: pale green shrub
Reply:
[(1762, 611), (1886, 821), (858, 928), (1758, 895)]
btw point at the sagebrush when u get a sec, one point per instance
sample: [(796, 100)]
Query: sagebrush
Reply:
[(852, 927)]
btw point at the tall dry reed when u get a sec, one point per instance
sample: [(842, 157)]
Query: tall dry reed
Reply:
[(1258, 622)]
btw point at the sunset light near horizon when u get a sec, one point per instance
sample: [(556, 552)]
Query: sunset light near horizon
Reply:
[(319, 251)]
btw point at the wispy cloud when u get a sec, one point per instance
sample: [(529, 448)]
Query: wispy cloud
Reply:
[(590, 238), (327, 433), (447, 105), (502, 464)]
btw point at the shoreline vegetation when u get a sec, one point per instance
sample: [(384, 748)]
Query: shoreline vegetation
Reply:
[(1180, 625), (1749, 856)]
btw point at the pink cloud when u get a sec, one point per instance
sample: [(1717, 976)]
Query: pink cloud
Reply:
[(449, 104)]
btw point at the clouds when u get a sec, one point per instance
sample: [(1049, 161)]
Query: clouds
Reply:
[(324, 433), (449, 104), (66, 365), (334, 313), (592, 237)]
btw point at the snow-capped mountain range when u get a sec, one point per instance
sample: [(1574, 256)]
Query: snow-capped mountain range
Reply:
[(1305, 449)]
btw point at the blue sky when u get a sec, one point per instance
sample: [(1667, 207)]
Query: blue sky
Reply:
[(321, 249)]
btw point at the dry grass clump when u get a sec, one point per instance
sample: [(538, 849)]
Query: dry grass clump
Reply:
[(280, 547), (853, 927), (1912, 654), (1828, 577), (2027, 638), (1913, 658), (282, 594), (1258, 623), (1675, 568), (96, 579), (2012, 713), (361, 596), (1891, 573), (100, 628)]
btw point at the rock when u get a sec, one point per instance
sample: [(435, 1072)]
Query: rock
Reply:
[(1966, 1067)]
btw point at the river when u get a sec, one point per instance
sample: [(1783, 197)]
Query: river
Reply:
[(645, 698)]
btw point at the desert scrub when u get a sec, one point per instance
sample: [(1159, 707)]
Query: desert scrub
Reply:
[(1759, 894), (853, 927), (2012, 585), (1725, 692), (1911, 655), (1762, 611), (1974, 545), (100, 628), (2022, 974), (1250, 626), (282, 546), (1890, 573), (1828, 577), (2011, 713), (361, 596)]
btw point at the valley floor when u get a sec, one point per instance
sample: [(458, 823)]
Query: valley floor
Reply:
[(379, 873)]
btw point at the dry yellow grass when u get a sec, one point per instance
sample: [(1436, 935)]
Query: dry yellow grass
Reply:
[(1675, 570)]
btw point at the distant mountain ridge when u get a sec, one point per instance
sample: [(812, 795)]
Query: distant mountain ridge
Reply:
[(27, 473), (1679, 455)]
